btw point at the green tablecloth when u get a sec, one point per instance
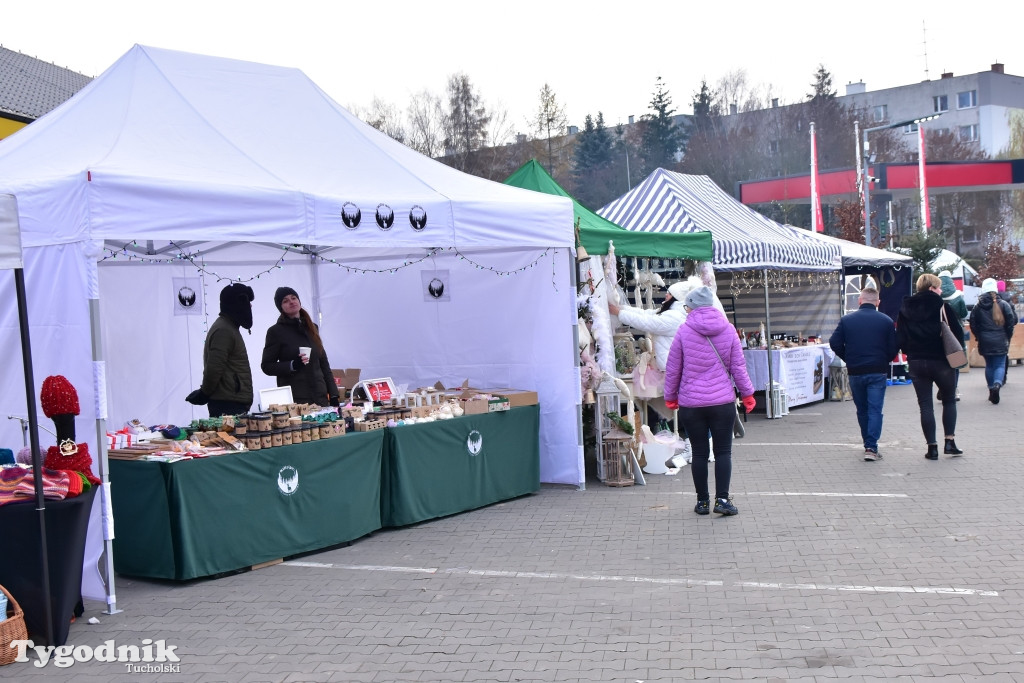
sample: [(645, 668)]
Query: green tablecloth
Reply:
[(440, 468), (195, 518)]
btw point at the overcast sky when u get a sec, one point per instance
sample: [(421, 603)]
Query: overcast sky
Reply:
[(596, 56)]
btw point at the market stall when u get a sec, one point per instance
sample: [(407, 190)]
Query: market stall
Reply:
[(802, 370), (768, 275), (198, 171)]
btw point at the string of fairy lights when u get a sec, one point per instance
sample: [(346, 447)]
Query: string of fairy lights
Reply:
[(746, 281), (197, 260)]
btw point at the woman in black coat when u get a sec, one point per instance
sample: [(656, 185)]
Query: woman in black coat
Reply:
[(919, 336), (992, 321), (310, 375)]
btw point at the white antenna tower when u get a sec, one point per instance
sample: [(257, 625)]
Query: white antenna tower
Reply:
[(924, 31)]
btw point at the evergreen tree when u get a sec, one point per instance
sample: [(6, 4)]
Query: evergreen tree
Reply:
[(661, 138)]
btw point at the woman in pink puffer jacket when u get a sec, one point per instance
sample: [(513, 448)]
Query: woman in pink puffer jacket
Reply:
[(698, 384)]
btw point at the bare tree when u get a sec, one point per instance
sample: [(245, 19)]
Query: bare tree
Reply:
[(425, 117), (466, 122), (383, 116), (549, 122)]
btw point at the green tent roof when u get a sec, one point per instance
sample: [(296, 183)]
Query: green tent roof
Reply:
[(595, 231)]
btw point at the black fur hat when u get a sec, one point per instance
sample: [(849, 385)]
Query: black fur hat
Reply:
[(236, 304)]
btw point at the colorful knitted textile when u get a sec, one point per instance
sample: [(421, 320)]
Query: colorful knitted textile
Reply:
[(17, 484), (77, 462), (58, 397)]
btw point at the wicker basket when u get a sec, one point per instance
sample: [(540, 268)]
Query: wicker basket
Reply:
[(11, 629)]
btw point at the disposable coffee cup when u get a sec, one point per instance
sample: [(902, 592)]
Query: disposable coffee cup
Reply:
[(305, 350)]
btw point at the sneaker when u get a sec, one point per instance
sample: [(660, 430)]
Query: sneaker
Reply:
[(703, 507), (872, 454), (724, 506)]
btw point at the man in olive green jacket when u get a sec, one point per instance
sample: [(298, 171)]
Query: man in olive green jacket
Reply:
[(227, 377)]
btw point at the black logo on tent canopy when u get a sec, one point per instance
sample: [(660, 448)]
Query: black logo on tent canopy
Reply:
[(350, 215), (418, 217), (385, 216), (436, 288), (186, 297)]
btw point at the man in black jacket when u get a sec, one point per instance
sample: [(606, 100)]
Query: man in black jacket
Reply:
[(866, 340)]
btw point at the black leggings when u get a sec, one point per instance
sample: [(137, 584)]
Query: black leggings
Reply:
[(923, 372), (716, 421)]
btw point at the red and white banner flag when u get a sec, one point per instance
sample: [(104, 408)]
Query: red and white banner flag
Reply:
[(926, 214), (817, 223)]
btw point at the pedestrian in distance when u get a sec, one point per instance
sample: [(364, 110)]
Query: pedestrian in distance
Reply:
[(704, 361), (955, 298), (919, 336), (992, 321), (866, 341), (227, 376), (1005, 296)]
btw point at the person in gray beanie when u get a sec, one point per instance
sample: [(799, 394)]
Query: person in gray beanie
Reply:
[(227, 376), (704, 363)]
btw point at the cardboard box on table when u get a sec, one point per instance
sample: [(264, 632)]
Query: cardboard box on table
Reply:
[(345, 379)]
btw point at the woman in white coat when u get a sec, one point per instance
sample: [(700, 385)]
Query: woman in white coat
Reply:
[(661, 324)]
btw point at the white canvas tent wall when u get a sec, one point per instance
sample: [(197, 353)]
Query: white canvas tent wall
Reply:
[(227, 162)]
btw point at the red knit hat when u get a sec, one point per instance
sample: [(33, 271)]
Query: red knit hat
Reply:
[(58, 396)]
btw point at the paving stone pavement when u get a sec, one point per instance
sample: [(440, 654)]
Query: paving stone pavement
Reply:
[(835, 568)]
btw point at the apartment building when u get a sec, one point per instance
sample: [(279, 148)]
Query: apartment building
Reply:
[(977, 107)]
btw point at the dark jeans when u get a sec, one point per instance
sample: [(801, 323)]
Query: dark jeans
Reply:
[(923, 372), (218, 408), (869, 396), (698, 422)]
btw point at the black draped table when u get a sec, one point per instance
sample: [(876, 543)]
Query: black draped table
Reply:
[(21, 566)]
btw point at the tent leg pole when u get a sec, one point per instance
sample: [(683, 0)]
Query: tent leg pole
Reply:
[(37, 458), (574, 278), (100, 383), (768, 341)]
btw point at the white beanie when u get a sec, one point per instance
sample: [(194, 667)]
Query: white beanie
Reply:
[(678, 290), (946, 273), (988, 285)]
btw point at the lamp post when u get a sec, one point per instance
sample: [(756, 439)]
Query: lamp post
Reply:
[(866, 178)]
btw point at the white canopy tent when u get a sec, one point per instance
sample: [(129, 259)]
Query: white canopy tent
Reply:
[(176, 170)]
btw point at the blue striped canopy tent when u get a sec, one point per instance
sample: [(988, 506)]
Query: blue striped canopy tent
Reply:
[(743, 239), (791, 265)]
